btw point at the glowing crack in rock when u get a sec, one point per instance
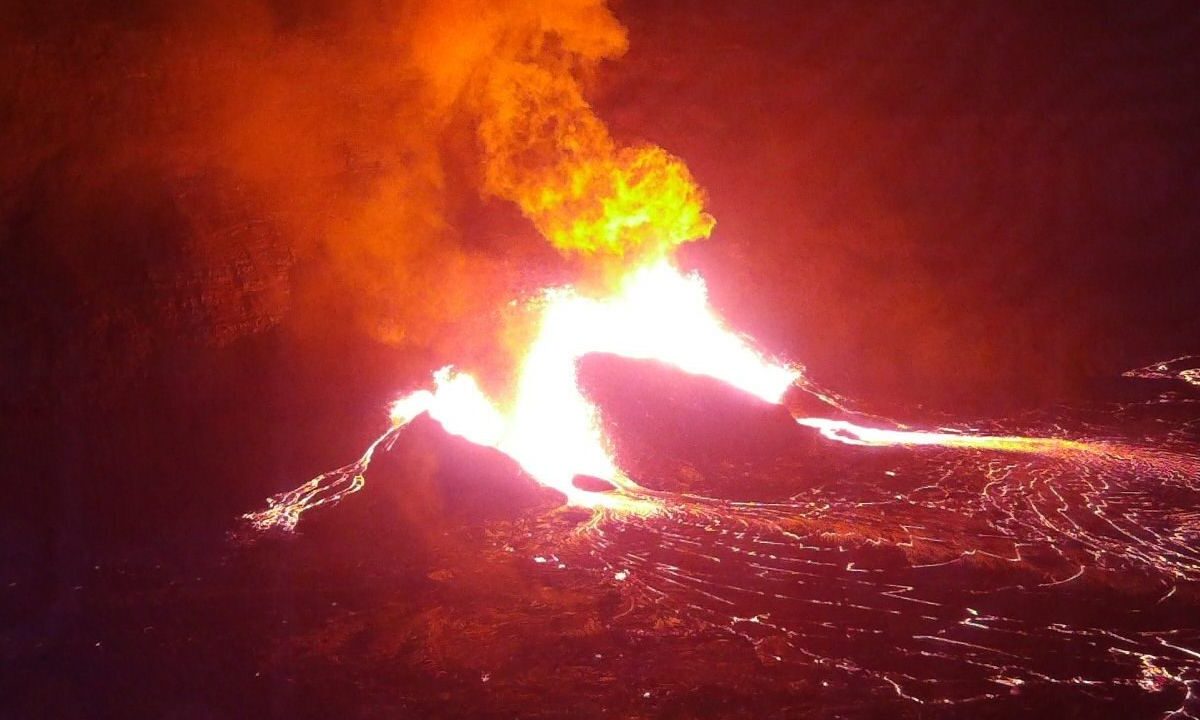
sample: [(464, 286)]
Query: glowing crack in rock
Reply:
[(1185, 368)]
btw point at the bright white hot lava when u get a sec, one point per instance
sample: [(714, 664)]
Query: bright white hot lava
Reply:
[(552, 430)]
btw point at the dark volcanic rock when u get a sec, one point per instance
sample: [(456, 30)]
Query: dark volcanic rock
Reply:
[(591, 483), (431, 476), (676, 431), (697, 413)]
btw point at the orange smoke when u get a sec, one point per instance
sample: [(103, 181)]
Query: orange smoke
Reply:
[(516, 68), (336, 151), (546, 151)]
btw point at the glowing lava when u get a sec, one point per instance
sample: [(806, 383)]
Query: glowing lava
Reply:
[(660, 314), (552, 430), (850, 433)]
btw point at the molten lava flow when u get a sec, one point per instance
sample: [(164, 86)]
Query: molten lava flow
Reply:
[(851, 434)]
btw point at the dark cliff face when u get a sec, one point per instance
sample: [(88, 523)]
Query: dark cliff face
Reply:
[(127, 311)]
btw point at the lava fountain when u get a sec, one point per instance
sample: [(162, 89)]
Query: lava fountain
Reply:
[(553, 431)]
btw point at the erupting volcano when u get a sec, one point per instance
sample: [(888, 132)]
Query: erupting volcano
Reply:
[(1055, 505), (621, 211), (633, 463)]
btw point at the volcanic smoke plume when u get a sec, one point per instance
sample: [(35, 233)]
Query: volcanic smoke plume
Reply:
[(359, 133)]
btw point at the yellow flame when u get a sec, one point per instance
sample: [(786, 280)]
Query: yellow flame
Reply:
[(547, 151)]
